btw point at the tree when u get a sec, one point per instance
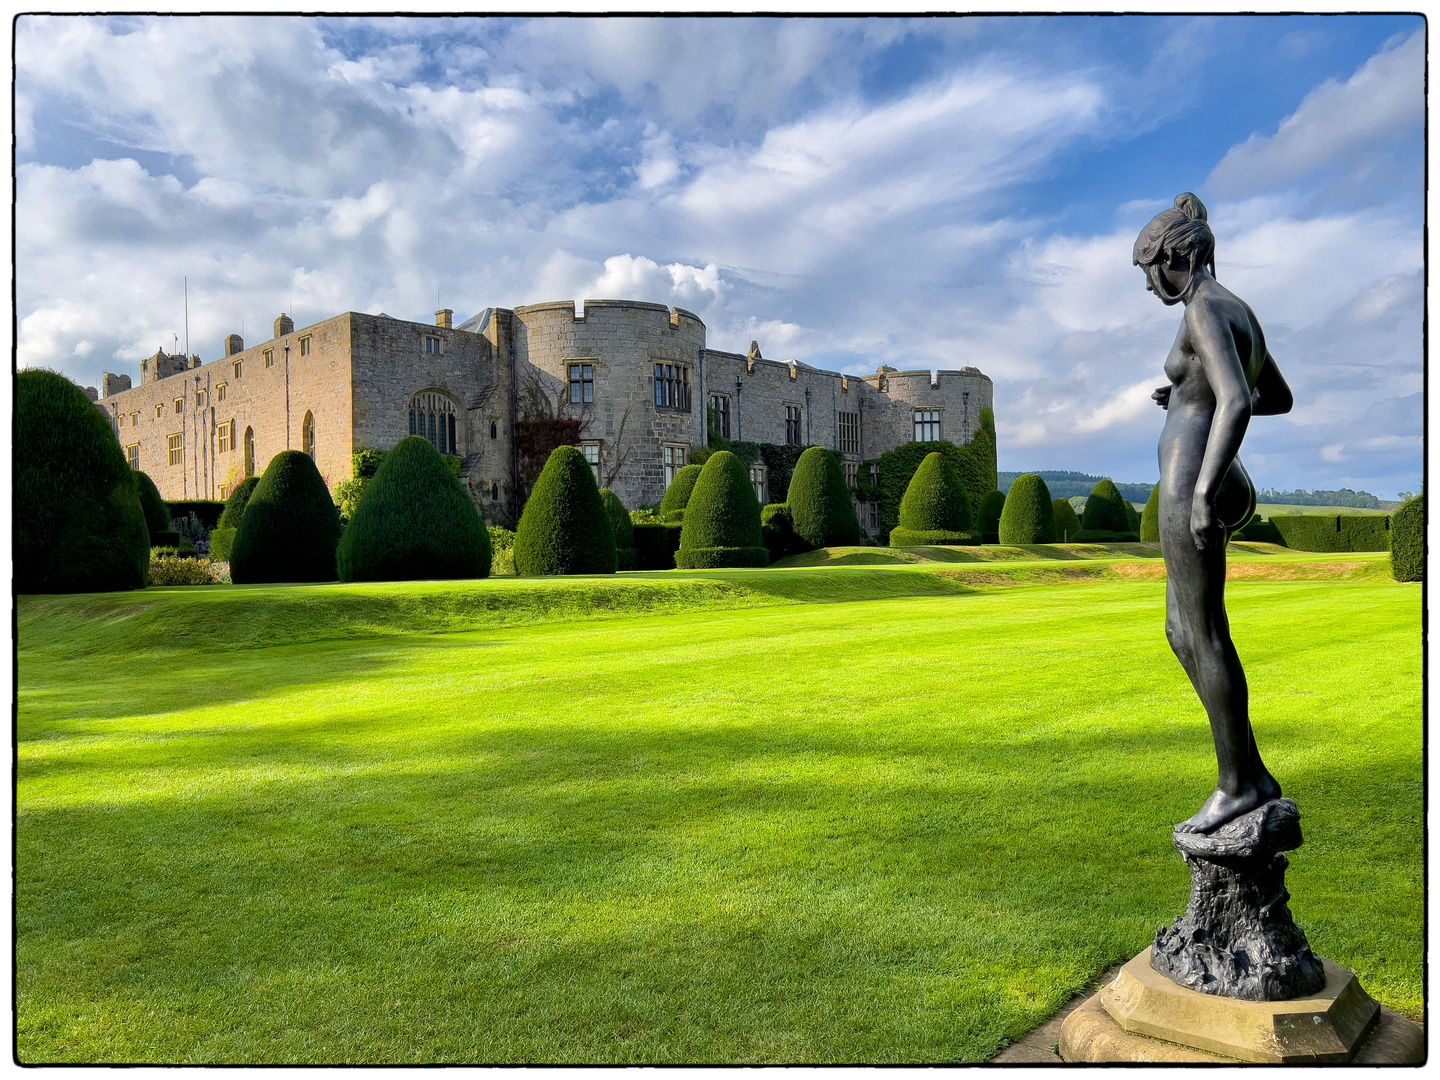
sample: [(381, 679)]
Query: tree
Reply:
[(821, 509), (722, 519), (934, 509), (1029, 515), (565, 529), (157, 514), (290, 528)]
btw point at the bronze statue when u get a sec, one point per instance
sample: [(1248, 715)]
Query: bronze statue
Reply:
[(1220, 375)]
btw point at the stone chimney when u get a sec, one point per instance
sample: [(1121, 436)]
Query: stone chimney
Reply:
[(113, 384), (233, 344), (443, 318), (195, 360), (284, 325)]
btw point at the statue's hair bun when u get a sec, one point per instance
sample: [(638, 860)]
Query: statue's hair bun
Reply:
[(1190, 205)]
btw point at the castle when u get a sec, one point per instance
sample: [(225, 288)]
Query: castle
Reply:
[(637, 377)]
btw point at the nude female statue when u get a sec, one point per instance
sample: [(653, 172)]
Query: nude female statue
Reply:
[(1220, 375)]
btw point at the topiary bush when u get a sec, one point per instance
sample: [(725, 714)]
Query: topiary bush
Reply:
[(1333, 532), (1029, 515), (564, 528), (988, 517), (624, 529), (934, 509), (722, 519), (821, 510), (677, 495), (975, 462), (1150, 518), (79, 524), (1105, 516), (222, 542), (777, 532), (234, 511), (1067, 522), (157, 514), (655, 544), (290, 529), (1407, 540), (414, 521)]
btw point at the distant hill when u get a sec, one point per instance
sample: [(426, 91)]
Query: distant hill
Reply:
[(1067, 485), (1360, 500)]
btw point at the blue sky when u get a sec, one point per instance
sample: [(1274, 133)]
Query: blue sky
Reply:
[(850, 192)]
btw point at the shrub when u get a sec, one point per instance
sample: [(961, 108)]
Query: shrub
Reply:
[(1259, 531), (1333, 532), (624, 529), (290, 528), (205, 511), (415, 520), (78, 522), (777, 532), (821, 510), (677, 495), (1105, 510), (1029, 515), (1150, 519), (502, 551), (722, 519), (222, 542), (1067, 522), (234, 511), (656, 543), (192, 530), (1407, 541), (564, 528), (167, 539), (934, 509), (157, 514), (166, 569), (988, 517)]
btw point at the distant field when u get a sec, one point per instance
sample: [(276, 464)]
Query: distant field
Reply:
[(1268, 509), (877, 807)]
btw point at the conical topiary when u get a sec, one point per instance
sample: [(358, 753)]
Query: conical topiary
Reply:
[(157, 514), (234, 511), (1067, 522), (1407, 540), (1029, 515), (624, 529), (1150, 518), (934, 509), (291, 527), (677, 495), (564, 528), (415, 520), (821, 509), (78, 523), (722, 520), (1105, 516), (988, 517)]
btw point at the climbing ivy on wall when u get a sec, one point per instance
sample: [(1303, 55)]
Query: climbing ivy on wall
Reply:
[(975, 462)]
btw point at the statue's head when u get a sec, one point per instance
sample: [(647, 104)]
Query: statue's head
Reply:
[(1179, 238)]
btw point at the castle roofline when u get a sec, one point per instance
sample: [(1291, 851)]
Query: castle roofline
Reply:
[(585, 305)]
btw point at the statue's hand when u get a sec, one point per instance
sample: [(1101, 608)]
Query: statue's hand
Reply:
[(1162, 396), (1203, 527)]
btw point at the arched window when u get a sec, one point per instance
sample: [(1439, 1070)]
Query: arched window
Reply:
[(495, 492), (494, 430), (249, 452), (307, 435), (432, 416)]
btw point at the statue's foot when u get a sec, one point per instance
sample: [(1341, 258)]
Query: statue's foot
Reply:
[(1222, 807)]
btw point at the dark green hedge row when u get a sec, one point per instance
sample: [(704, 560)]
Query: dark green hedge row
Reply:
[(975, 462), (1067, 522), (1407, 541), (656, 543), (903, 537), (1259, 531), (624, 529), (987, 519), (208, 511), (1334, 532)]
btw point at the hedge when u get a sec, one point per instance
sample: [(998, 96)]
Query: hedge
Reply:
[(1150, 519), (1334, 532), (722, 519), (78, 522), (677, 495), (624, 529), (1407, 541), (655, 544), (564, 528), (777, 531), (1105, 510), (234, 511), (934, 509), (987, 519), (975, 462), (290, 529), (157, 514), (821, 509), (222, 542), (415, 521), (208, 511), (1067, 522), (1029, 515), (1259, 531)]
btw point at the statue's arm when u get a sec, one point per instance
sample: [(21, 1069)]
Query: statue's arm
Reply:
[(1214, 343), (1272, 395)]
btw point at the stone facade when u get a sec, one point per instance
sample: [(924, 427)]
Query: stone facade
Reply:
[(638, 377)]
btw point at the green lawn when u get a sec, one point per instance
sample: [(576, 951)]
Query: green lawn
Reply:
[(845, 813)]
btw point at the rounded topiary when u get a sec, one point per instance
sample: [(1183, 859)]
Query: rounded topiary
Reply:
[(564, 528), (1150, 518), (624, 529), (415, 520), (1105, 510), (1029, 515), (677, 495), (987, 518), (234, 511), (1067, 522), (157, 514), (777, 532), (290, 529), (1407, 540), (79, 525), (934, 509), (722, 519), (819, 499)]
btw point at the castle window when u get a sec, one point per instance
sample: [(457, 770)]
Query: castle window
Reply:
[(176, 446), (495, 492), (305, 346), (200, 399), (179, 406), (494, 430), (582, 384), (792, 425), (672, 386), (872, 516), (269, 359), (220, 392), (307, 435), (432, 416), (927, 426), (757, 481), (134, 419), (159, 411), (249, 452), (225, 434), (720, 406), (591, 450), (852, 474), (432, 345), (121, 421), (239, 367), (132, 455), (674, 462), (849, 432), (965, 416)]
